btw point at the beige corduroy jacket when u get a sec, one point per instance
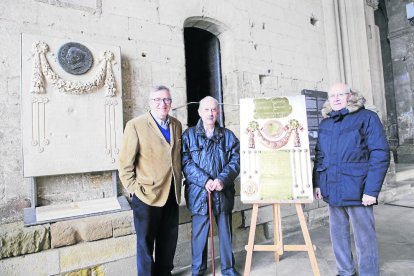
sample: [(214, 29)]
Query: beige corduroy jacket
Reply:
[(147, 162)]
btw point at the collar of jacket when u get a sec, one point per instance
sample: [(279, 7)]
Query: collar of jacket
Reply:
[(218, 131), (339, 114)]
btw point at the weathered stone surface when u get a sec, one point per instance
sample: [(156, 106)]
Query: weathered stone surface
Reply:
[(183, 254), (15, 239), (125, 266), (310, 206), (184, 215), (40, 263), (406, 153), (317, 217), (95, 271), (241, 237), (89, 254), (239, 205), (95, 229), (237, 221), (70, 232), (390, 177), (122, 224), (89, 5), (289, 225), (63, 234), (265, 215), (391, 194), (184, 232), (13, 208)]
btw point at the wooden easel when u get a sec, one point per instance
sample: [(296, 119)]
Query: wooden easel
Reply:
[(278, 248)]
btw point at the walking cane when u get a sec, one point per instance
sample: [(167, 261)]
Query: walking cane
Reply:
[(211, 233)]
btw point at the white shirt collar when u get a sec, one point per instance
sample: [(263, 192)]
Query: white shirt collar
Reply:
[(163, 124)]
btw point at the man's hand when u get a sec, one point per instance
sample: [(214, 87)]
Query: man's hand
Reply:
[(317, 193), (209, 185), (218, 185), (368, 200)]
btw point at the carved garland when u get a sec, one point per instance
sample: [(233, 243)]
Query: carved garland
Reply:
[(292, 126), (42, 68)]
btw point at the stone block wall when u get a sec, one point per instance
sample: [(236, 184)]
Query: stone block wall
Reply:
[(268, 48), (401, 39)]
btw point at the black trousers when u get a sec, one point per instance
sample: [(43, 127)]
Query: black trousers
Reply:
[(157, 233)]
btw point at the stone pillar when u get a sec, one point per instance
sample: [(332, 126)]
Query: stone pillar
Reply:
[(401, 36), (333, 42), (406, 120), (375, 60), (345, 42), (350, 33)]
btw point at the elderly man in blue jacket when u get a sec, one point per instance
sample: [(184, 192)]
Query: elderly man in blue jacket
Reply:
[(352, 158), (211, 162)]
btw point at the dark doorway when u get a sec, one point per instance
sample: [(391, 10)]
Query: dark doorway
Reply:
[(203, 70)]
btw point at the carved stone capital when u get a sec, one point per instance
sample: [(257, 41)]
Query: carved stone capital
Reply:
[(373, 4)]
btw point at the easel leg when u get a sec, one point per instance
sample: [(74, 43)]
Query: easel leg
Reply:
[(307, 239), (277, 231), (250, 246)]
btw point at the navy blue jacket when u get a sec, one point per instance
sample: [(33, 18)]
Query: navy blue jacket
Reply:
[(209, 158), (352, 156)]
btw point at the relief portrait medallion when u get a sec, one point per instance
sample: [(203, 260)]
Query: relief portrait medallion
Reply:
[(75, 58)]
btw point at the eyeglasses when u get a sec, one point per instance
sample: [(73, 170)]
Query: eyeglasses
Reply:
[(339, 95), (165, 100)]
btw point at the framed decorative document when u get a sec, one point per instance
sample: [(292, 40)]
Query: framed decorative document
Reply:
[(274, 150)]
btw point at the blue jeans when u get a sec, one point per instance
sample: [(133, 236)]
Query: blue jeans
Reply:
[(363, 225), (199, 239), (157, 225)]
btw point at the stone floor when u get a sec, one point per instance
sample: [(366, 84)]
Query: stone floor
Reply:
[(395, 232)]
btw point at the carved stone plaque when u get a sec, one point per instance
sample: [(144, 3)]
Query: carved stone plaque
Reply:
[(75, 58), (70, 123)]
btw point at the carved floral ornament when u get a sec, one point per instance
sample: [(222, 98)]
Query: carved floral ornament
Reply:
[(42, 70)]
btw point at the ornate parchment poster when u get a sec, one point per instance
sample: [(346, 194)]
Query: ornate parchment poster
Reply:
[(71, 106), (274, 153)]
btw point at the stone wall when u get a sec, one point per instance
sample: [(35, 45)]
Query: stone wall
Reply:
[(401, 36), (268, 48)]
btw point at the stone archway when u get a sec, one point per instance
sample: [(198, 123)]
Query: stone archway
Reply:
[(208, 63)]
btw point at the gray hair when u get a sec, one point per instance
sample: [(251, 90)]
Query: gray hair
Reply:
[(205, 99), (158, 88)]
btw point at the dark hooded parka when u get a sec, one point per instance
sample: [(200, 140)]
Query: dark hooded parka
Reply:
[(352, 154)]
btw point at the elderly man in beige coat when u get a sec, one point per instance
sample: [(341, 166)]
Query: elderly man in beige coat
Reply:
[(150, 169)]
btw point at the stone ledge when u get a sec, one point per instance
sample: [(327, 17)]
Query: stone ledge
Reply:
[(81, 257), (40, 263), (88, 254), (389, 194), (71, 232), (17, 240)]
